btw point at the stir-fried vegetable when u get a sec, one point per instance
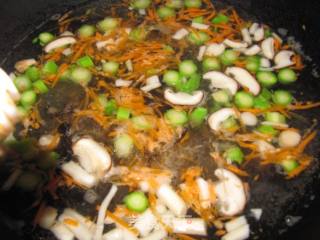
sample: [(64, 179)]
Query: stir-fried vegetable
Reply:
[(244, 99), (110, 67), (220, 18), (176, 118), (123, 145), (107, 24), (287, 76), (234, 154), (81, 75), (187, 68), (166, 12), (228, 57), (141, 4), (211, 63), (267, 79), (197, 116), (85, 62), (45, 38), (282, 97), (86, 31), (136, 201)]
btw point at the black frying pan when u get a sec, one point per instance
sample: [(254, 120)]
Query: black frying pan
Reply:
[(282, 200)]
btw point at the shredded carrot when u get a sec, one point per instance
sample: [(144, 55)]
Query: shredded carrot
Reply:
[(122, 223), (237, 170)]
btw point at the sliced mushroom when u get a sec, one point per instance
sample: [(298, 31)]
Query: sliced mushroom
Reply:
[(234, 44), (6, 126), (244, 78), (200, 26), (92, 156), (267, 46), (249, 119), (265, 63), (122, 83), (7, 85), (246, 36), (253, 50), (258, 34), (215, 49), (58, 43), (219, 116), (181, 98), (8, 106), (180, 34), (289, 138), (253, 28), (230, 192), (201, 53), (221, 81), (66, 34), (102, 44), (152, 82), (283, 59), (264, 146), (204, 192), (22, 65)]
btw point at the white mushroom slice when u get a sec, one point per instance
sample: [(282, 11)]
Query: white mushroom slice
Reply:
[(7, 85), (264, 146), (249, 119), (200, 26), (78, 174), (48, 217), (241, 233), (67, 52), (253, 28), (235, 223), (145, 223), (152, 83), (230, 192), (258, 34), (102, 44), (180, 34), (219, 116), (267, 46), (142, 11), (114, 234), (221, 81), (192, 226), (215, 49), (265, 63), (93, 157), (283, 59), (253, 50), (61, 232), (204, 192), (244, 78), (181, 98), (172, 200), (66, 33), (246, 36), (201, 53), (234, 44), (257, 213), (129, 65), (9, 107), (289, 138), (58, 43), (6, 126), (122, 83), (22, 66)]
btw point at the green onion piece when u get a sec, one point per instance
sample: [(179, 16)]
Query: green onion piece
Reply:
[(166, 12), (261, 103), (110, 67), (107, 24), (198, 20), (136, 201), (191, 85), (230, 123), (234, 154), (66, 75), (220, 18), (33, 73), (214, 107), (198, 37), (49, 68), (244, 99), (176, 117), (287, 76), (175, 4), (81, 75), (85, 62), (266, 94), (141, 123), (187, 68), (45, 38), (228, 57), (266, 78), (40, 87), (211, 63), (267, 129), (275, 117), (86, 31), (138, 34), (140, 4), (267, 33), (193, 3), (123, 146), (29, 181), (198, 116), (289, 165), (171, 78), (22, 83), (222, 97), (48, 161), (282, 97), (253, 63), (28, 98), (110, 107), (168, 48), (123, 113)]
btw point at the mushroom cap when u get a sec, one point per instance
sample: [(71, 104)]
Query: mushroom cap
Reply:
[(219, 116), (60, 42), (221, 81), (181, 98)]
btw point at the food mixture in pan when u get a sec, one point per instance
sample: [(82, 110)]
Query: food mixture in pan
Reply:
[(169, 103)]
